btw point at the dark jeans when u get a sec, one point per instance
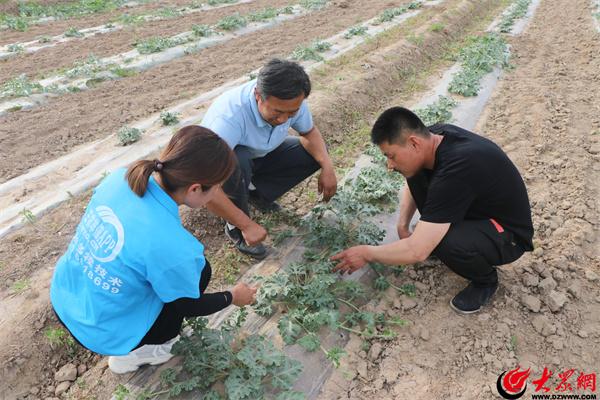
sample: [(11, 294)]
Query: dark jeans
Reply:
[(472, 249), (169, 321), (272, 175)]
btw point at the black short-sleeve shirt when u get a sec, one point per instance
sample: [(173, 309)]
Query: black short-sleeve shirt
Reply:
[(472, 179)]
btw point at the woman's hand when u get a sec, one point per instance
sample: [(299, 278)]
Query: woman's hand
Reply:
[(243, 295)]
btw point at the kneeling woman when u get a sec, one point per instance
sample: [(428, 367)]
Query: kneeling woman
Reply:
[(132, 272)]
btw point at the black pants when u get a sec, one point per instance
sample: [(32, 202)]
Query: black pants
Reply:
[(169, 321), (272, 175), (472, 249)]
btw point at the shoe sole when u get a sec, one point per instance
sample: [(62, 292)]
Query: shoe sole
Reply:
[(463, 312)]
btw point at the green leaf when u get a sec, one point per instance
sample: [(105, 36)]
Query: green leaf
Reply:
[(289, 329), (290, 395), (335, 354), (310, 342), (286, 374)]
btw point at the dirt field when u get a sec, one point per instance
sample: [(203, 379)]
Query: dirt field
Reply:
[(545, 114)]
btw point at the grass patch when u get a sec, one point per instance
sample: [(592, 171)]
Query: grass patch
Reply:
[(437, 27)]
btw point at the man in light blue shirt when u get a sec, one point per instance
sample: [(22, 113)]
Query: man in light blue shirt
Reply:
[(254, 119)]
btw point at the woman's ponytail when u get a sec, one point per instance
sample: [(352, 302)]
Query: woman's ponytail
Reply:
[(194, 155), (138, 175)]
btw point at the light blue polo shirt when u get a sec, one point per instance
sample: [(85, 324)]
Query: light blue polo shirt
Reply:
[(129, 256), (234, 117)]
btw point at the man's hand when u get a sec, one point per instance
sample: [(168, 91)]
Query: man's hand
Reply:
[(254, 233), (327, 183), (243, 295), (351, 260)]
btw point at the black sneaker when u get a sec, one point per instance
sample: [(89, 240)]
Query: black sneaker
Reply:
[(472, 298), (262, 204), (258, 252)]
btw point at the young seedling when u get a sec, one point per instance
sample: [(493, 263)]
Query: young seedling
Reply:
[(16, 48), (73, 32), (169, 118), (28, 216), (19, 286), (518, 10), (305, 53), (479, 57), (355, 31), (20, 87), (313, 4), (156, 44), (127, 135), (202, 30), (263, 15), (438, 112), (232, 22)]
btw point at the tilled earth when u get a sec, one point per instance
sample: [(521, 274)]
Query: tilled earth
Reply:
[(546, 116)]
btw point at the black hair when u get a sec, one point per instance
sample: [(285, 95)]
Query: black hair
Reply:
[(282, 79), (393, 125)]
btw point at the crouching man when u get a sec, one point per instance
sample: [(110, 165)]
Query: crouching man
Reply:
[(475, 212)]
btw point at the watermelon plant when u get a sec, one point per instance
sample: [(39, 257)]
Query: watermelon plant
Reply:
[(479, 57), (518, 10)]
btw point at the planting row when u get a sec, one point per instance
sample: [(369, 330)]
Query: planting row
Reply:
[(75, 172), (20, 92), (31, 13), (306, 297), (116, 24)]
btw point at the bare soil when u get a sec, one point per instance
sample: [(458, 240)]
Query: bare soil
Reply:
[(545, 114), (63, 127), (64, 55)]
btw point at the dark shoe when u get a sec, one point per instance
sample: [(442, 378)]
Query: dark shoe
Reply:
[(472, 298), (262, 204), (259, 251)]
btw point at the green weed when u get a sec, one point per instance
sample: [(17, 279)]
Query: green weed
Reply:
[(73, 32), (28, 216), (437, 27)]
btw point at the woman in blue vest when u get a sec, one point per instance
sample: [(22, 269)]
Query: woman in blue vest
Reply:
[(132, 272)]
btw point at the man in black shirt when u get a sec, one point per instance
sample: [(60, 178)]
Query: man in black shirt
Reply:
[(475, 212)]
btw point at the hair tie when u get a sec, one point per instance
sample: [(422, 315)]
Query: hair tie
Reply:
[(158, 166)]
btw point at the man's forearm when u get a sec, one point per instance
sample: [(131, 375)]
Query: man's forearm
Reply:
[(314, 144), (223, 207), (407, 208), (396, 253)]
